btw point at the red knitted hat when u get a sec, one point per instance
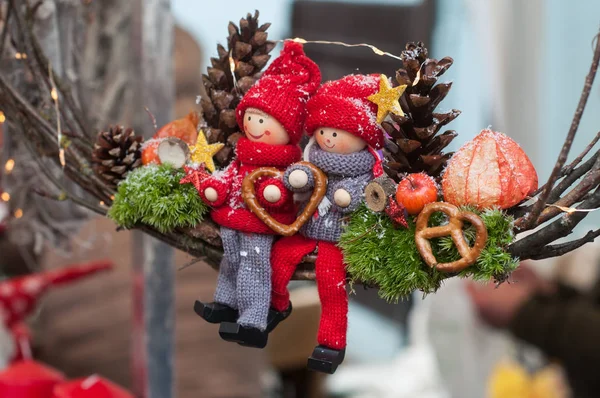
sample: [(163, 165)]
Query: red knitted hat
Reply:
[(283, 90), (343, 104)]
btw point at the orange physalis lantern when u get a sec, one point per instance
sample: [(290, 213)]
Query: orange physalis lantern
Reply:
[(490, 171)]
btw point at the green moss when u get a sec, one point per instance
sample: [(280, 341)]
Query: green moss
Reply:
[(152, 195), (379, 254)]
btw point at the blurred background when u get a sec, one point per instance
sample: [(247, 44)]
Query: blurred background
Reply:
[(519, 67)]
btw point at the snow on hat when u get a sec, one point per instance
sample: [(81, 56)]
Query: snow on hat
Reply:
[(343, 104), (283, 90)]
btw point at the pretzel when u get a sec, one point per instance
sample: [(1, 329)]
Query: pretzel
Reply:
[(454, 228), (249, 196)]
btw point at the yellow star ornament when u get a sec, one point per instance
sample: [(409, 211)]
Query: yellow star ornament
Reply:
[(203, 152), (387, 98)]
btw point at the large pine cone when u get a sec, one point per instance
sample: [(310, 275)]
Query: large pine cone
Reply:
[(116, 152), (249, 50), (415, 145)]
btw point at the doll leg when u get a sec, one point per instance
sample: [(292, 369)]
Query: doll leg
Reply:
[(287, 254), (226, 292), (253, 292), (224, 308), (331, 283)]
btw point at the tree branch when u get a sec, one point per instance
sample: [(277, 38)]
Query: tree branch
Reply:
[(529, 220), (563, 248), (534, 243)]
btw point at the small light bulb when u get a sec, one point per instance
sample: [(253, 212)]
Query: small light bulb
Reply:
[(2, 117), (18, 213), (54, 94), (5, 196), (10, 165)]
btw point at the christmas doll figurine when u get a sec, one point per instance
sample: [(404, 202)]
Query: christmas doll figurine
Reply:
[(343, 123), (272, 115)]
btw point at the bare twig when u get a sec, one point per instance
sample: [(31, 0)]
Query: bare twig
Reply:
[(5, 28), (568, 169), (529, 220), (563, 248), (533, 244)]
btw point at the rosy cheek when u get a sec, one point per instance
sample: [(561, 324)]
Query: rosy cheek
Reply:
[(267, 133)]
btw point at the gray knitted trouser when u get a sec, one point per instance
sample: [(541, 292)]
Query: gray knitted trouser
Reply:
[(245, 276)]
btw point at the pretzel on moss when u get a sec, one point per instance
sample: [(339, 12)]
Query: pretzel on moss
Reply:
[(454, 228)]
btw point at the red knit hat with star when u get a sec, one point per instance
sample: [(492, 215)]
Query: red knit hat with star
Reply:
[(283, 90), (343, 104)]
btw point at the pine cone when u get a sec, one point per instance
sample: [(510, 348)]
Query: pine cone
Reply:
[(116, 152), (415, 145), (250, 50)]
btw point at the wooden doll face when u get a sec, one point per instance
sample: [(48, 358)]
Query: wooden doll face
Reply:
[(262, 127), (338, 141)]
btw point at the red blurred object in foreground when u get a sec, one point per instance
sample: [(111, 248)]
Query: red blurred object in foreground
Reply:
[(29, 379), (18, 296), (90, 387)]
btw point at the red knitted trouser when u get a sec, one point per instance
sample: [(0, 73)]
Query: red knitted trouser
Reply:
[(330, 270)]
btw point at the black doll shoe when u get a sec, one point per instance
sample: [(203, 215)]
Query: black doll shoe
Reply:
[(215, 312), (325, 359), (243, 335), (276, 317)]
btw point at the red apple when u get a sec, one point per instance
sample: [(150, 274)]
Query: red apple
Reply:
[(415, 191)]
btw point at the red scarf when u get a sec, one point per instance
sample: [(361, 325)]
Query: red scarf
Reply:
[(259, 154)]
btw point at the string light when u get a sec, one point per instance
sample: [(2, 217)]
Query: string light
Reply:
[(54, 96), (20, 56), (339, 43), (18, 213), (232, 68), (101, 203), (9, 166), (5, 196), (571, 210), (2, 117)]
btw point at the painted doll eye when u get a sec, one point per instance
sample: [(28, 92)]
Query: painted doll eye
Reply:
[(322, 132), (249, 118), (260, 120), (335, 134)]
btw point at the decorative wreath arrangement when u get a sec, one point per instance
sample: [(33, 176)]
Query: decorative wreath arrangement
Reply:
[(421, 215)]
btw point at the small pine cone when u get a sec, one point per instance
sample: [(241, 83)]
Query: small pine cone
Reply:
[(249, 48), (416, 142), (116, 152)]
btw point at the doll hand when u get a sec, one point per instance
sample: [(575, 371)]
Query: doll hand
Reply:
[(214, 192), (298, 178), (348, 194), (272, 193), (211, 194), (342, 198)]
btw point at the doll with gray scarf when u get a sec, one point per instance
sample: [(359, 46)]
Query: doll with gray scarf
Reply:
[(344, 130)]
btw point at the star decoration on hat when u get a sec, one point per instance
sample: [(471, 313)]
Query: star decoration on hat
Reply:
[(194, 176), (387, 98), (203, 152)]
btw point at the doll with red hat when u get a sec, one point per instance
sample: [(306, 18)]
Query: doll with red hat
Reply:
[(271, 115), (342, 123)]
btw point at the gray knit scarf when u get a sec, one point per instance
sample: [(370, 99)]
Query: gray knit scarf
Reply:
[(343, 165)]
